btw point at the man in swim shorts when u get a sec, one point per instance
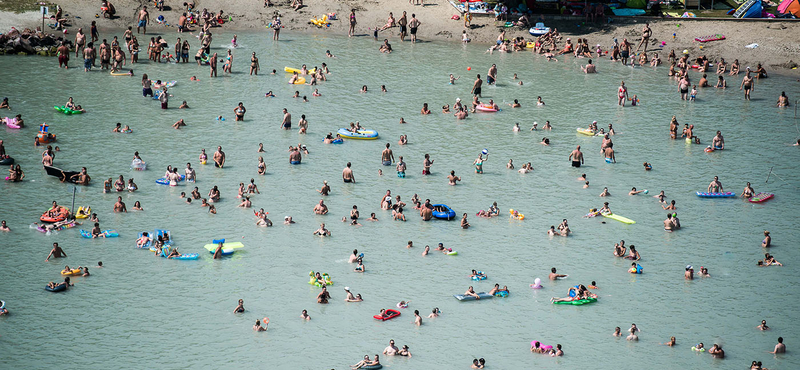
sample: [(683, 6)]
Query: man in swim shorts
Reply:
[(403, 22), (413, 25), (625, 51), (63, 55), (386, 156), (286, 124), (219, 157), (491, 76), (347, 174), (294, 156), (401, 168), (576, 157), (144, 16), (476, 87)]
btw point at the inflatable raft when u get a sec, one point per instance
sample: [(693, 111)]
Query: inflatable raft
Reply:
[(443, 212), (486, 108), (761, 197), (58, 288), (539, 29), (293, 70), (57, 172), (60, 216), (11, 122), (726, 194), (358, 135), (619, 218), (578, 302), (227, 248), (107, 233), (462, 297), (391, 314), (165, 181), (66, 110)]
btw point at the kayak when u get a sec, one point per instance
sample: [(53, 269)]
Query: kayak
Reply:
[(106, 233), (462, 297), (578, 302), (359, 135), (66, 110), (443, 212), (619, 218), (727, 194), (761, 197), (390, 315)]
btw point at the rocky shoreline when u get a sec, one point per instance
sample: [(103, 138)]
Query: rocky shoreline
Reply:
[(30, 42)]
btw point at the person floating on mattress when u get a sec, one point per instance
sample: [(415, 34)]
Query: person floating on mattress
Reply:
[(471, 292)]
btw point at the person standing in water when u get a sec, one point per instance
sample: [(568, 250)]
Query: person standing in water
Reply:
[(715, 186), (254, 66), (387, 158), (576, 157), (622, 94), (747, 85), (478, 163), (476, 87), (347, 174)]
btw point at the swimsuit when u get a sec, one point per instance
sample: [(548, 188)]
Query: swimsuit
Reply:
[(294, 162), (387, 163), (142, 23), (348, 180), (576, 163), (477, 91)]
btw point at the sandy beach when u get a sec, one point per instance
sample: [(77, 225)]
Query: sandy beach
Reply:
[(777, 41)]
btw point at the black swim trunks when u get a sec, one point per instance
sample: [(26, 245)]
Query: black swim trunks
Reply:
[(403, 29), (576, 163), (477, 91), (624, 54), (413, 30)]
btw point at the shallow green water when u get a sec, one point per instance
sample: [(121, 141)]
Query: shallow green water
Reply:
[(143, 311)]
